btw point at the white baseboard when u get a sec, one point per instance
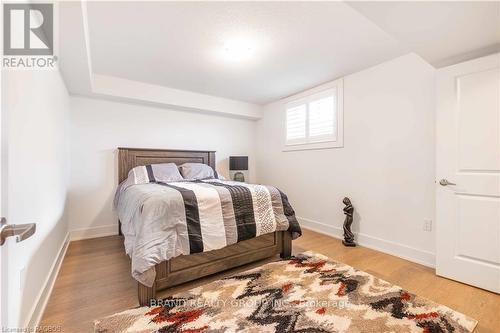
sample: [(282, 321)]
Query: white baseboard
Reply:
[(396, 249), (43, 297), (101, 231)]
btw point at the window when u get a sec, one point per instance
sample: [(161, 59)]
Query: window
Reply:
[(296, 123), (315, 121)]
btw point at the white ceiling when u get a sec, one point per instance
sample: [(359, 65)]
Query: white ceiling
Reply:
[(442, 33), (295, 45)]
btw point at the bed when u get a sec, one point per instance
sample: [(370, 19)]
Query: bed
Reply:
[(187, 267)]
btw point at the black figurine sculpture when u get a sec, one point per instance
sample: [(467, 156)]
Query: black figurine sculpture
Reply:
[(348, 211)]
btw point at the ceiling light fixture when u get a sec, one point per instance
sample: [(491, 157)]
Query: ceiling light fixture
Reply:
[(237, 50)]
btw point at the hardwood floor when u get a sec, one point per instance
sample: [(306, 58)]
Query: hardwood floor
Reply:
[(95, 281)]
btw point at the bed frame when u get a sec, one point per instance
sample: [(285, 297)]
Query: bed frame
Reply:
[(190, 267)]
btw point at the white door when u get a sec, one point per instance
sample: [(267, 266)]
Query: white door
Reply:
[(3, 250), (468, 173)]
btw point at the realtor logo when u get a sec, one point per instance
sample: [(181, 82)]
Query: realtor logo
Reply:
[(28, 29)]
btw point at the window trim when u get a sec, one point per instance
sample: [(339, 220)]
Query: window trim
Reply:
[(305, 98)]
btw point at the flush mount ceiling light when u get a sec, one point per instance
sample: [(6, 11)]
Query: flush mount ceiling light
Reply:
[(237, 50)]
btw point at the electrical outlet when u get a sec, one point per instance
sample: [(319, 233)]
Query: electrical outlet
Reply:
[(427, 225)]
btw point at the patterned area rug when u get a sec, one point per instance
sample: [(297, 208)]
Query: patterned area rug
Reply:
[(307, 293)]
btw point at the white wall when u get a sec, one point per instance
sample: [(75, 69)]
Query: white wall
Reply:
[(99, 127), (35, 110), (386, 165)]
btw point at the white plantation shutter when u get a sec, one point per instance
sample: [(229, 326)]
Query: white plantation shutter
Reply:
[(296, 123), (315, 121), (322, 118)]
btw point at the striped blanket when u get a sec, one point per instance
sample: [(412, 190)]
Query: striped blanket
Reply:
[(164, 220)]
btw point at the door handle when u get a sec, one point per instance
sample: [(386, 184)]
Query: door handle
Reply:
[(22, 231), (445, 182)]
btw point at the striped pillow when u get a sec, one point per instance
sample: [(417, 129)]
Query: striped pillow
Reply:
[(164, 172)]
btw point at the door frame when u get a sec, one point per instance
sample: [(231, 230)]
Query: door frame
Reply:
[(4, 315)]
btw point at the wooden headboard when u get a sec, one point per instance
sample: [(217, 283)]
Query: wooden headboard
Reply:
[(129, 158)]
